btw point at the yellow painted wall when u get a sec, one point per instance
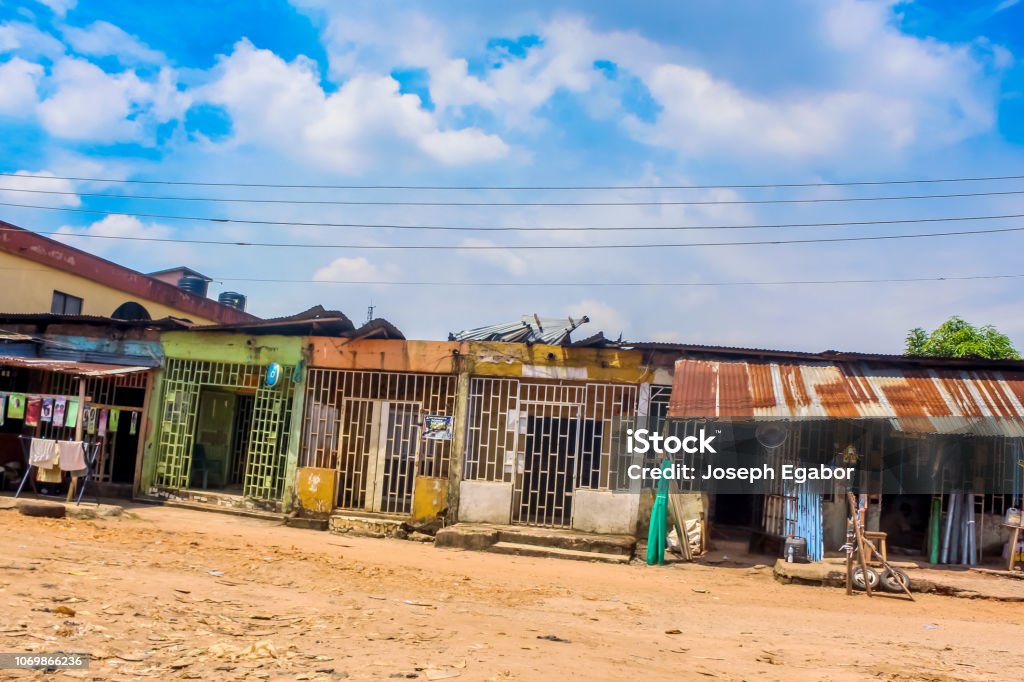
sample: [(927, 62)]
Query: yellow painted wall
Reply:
[(27, 287)]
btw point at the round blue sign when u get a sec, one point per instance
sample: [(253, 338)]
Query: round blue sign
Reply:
[(273, 374)]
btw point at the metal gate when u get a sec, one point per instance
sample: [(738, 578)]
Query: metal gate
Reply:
[(268, 434), (547, 439), (368, 427)]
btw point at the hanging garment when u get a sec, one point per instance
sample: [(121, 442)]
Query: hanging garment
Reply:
[(42, 453), (16, 406), (134, 427), (59, 407), (32, 410), (101, 429), (49, 475), (72, 418), (3, 407), (115, 419), (90, 420), (72, 455), (46, 414)]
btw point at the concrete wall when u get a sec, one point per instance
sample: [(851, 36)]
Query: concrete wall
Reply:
[(485, 502), (27, 287), (602, 511)]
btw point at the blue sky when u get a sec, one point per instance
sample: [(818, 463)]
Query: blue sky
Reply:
[(536, 93)]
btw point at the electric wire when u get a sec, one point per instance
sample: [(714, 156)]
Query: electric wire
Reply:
[(517, 247), (781, 185), (494, 204), (462, 228)]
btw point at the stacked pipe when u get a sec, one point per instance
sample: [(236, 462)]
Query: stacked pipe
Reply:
[(960, 539)]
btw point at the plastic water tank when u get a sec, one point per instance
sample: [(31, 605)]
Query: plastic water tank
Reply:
[(194, 285), (232, 299)]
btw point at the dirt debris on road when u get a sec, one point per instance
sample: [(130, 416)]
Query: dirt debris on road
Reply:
[(164, 593)]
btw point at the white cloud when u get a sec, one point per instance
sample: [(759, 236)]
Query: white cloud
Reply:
[(23, 179), (103, 39), (357, 269), (91, 104), (59, 7), (28, 41), (506, 259), (19, 81), (603, 317), (280, 103)]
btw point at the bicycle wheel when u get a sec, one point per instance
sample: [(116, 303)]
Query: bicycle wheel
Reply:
[(859, 581), (893, 580)]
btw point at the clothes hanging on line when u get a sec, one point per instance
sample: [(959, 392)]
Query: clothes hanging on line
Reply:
[(49, 474), (43, 453), (72, 455)]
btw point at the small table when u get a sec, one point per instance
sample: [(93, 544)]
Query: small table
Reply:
[(1014, 537)]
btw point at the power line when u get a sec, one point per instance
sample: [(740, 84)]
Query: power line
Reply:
[(584, 228), (518, 247), (429, 283), (860, 183), (340, 202)]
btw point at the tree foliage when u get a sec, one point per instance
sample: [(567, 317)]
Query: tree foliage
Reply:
[(957, 338)]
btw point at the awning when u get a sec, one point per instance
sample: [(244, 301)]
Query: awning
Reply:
[(915, 399), (85, 369)]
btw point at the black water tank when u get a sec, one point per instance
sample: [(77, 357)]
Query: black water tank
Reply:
[(232, 299), (194, 285)]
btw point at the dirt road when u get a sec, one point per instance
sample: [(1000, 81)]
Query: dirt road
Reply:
[(168, 593)]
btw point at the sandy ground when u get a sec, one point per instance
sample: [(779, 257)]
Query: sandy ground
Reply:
[(167, 593)]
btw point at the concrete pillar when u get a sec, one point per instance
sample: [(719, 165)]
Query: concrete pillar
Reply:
[(458, 441), (295, 432)]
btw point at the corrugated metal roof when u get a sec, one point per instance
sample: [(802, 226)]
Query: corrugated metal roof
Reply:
[(529, 329), (918, 399), (86, 369)]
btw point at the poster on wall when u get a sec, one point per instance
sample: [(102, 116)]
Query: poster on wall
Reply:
[(33, 409), (59, 407), (438, 427), (46, 414), (16, 406)]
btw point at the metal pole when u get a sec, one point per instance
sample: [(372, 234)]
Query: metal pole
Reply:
[(78, 432)]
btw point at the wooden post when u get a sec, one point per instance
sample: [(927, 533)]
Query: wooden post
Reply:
[(78, 432), (849, 559)]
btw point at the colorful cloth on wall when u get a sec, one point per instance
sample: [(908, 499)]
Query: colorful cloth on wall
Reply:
[(16, 406), (59, 408), (90, 420), (101, 429), (33, 409), (134, 425), (115, 419), (71, 419), (46, 414)]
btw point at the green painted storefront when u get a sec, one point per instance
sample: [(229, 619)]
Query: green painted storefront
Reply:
[(217, 426)]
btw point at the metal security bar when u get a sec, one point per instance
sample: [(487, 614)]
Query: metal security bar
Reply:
[(267, 439), (367, 425), (547, 438)]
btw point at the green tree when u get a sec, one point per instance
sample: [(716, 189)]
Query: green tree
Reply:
[(957, 338)]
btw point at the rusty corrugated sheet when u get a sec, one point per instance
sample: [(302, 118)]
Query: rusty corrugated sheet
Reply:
[(86, 369), (923, 400)]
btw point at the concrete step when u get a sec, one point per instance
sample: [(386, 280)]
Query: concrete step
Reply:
[(622, 545), (521, 549), (367, 526)]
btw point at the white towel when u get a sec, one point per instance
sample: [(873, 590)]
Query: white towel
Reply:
[(72, 455), (42, 453)]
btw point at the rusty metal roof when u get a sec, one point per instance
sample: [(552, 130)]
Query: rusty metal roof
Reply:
[(85, 369), (918, 399)]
